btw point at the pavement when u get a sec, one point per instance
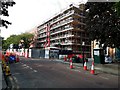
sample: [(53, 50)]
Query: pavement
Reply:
[(110, 68), (2, 80)]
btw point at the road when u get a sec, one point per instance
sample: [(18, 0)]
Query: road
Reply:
[(43, 73)]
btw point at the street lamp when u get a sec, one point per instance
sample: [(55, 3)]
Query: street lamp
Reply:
[(83, 44)]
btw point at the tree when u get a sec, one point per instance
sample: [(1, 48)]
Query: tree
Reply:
[(4, 4), (15, 39), (26, 37), (103, 23), (117, 8)]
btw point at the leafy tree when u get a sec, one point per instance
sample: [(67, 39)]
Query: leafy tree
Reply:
[(4, 4), (103, 23), (15, 39), (26, 37), (117, 8)]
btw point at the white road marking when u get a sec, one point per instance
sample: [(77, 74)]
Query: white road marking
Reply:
[(15, 73), (24, 65), (30, 68), (40, 65), (27, 66), (16, 81), (11, 80), (77, 70), (104, 77), (35, 70)]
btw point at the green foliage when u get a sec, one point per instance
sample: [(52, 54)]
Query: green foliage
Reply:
[(117, 7), (4, 4), (103, 23), (15, 39), (27, 39)]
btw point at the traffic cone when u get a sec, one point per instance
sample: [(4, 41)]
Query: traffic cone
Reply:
[(92, 69), (85, 65), (65, 58), (7, 71), (17, 58), (71, 65)]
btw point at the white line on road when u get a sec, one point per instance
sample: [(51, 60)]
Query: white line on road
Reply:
[(12, 82), (16, 81), (24, 65), (104, 77), (77, 70), (30, 68), (35, 70), (27, 66)]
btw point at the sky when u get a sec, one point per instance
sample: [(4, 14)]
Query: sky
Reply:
[(27, 14)]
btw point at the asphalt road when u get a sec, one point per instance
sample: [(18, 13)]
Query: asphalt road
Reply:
[(42, 73)]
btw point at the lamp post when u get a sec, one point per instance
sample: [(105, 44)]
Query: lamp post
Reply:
[(83, 44)]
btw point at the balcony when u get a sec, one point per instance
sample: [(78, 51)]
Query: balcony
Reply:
[(42, 36), (64, 16), (62, 31), (62, 24)]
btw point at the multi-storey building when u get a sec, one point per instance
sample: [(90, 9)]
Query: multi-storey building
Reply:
[(65, 30)]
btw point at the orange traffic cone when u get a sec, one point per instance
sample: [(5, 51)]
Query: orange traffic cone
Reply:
[(65, 58), (85, 65), (71, 65), (17, 58), (92, 69)]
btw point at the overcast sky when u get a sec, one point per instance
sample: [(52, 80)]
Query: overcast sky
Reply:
[(26, 14)]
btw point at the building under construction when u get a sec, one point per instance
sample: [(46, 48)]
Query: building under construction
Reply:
[(65, 30)]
